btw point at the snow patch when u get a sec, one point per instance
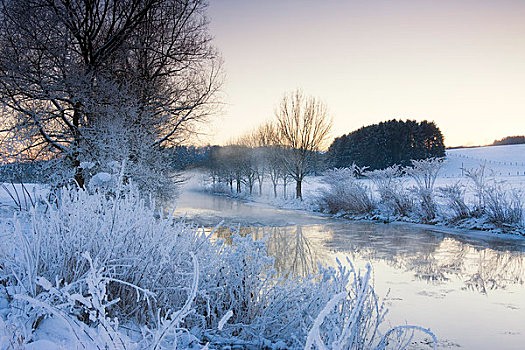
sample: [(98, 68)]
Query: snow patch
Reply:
[(100, 179)]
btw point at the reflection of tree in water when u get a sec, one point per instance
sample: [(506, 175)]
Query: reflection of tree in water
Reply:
[(225, 232), (431, 256), (496, 270), (294, 253), (435, 257)]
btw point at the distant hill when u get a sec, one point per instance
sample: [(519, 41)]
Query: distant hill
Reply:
[(510, 140), (504, 160)]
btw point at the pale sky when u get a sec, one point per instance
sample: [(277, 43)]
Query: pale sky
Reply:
[(459, 63)]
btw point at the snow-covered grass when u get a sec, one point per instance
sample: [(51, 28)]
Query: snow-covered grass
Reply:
[(479, 198), (346, 194), (20, 196), (492, 205), (105, 270)]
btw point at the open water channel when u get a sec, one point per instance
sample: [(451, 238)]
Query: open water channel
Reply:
[(469, 289)]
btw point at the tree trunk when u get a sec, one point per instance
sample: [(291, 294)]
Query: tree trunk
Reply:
[(298, 190), (275, 190), (79, 177)]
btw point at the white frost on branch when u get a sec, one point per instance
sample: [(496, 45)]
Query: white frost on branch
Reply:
[(224, 319)]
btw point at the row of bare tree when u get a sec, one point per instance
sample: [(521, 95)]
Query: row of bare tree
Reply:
[(284, 149)]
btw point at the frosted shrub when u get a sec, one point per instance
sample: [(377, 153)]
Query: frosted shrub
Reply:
[(80, 307), (345, 193), (350, 319), (502, 207), (239, 280), (361, 312), (270, 311), (122, 234), (425, 173), (219, 187), (454, 196), (390, 185), (478, 178)]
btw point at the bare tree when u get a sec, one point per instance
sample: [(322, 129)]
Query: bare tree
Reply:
[(256, 170), (302, 127), (76, 74)]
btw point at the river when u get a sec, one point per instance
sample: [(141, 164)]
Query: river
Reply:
[(469, 289)]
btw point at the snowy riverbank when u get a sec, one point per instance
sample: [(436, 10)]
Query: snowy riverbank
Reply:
[(476, 189)]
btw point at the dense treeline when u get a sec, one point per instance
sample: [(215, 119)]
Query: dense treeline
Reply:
[(509, 140), (27, 172), (392, 142), (185, 157)]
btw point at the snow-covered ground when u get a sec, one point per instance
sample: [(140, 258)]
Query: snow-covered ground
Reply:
[(505, 160)]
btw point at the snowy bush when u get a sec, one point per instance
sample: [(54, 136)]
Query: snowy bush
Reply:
[(425, 172), (503, 208), (345, 193), (454, 196), (391, 187), (478, 177), (121, 233)]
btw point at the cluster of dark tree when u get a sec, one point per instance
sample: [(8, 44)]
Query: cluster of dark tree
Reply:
[(177, 158), (382, 145), (509, 140), (26, 172), (186, 157)]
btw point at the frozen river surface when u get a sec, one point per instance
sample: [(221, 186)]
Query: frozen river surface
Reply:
[(469, 290)]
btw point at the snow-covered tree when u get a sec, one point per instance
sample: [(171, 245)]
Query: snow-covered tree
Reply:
[(84, 79), (302, 127)]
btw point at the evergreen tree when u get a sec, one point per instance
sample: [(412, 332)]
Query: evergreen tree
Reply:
[(382, 145)]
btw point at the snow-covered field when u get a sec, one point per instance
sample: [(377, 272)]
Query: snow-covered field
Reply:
[(505, 160), (506, 163)]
